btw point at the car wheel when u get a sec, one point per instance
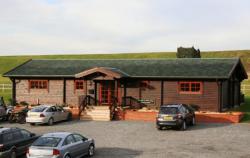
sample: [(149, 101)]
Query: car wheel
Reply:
[(32, 124), (51, 122), (69, 118), (184, 125), (159, 127), (13, 154), (5, 118), (91, 150), (67, 156), (193, 121)]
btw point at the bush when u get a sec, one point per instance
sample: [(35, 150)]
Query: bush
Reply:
[(188, 53)]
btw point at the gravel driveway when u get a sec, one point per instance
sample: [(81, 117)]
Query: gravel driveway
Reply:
[(125, 139)]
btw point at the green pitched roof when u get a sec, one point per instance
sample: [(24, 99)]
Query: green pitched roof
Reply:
[(166, 68)]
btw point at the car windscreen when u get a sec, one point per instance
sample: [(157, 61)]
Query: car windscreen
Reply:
[(38, 109), (47, 141), (168, 110)]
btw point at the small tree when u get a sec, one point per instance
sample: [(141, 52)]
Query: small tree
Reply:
[(188, 53)]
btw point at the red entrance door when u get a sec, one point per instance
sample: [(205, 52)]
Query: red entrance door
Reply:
[(106, 92)]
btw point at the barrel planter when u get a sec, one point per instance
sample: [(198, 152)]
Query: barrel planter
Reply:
[(74, 111), (119, 114), (201, 117), (140, 115)]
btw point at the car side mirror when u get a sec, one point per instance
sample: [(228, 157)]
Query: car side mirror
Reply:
[(84, 140), (32, 134)]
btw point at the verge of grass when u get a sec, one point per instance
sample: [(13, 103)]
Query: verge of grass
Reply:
[(245, 108), (6, 95), (4, 80)]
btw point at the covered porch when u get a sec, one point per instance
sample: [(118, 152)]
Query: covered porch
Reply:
[(105, 90)]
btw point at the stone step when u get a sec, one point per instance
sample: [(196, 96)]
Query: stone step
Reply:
[(107, 112), (97, 113), (97, 107), (100, 118)]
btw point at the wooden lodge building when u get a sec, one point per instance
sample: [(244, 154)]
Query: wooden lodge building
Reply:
[(211, 84)]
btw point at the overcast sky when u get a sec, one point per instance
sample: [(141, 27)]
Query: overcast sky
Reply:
[(110, 26)]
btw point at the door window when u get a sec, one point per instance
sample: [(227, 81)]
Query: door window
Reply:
[(78, 137), (25, 134), (60, 109), (69, 140), (51, 109)]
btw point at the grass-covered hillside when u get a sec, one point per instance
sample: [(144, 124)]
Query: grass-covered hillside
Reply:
[(9, 62)]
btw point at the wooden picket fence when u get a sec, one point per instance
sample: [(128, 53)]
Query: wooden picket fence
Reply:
[(5, 87), (245, 88)]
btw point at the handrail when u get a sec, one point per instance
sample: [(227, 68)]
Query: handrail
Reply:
[(84, 101), (82, 104), (132, 102), (113, 107), (90, 100)]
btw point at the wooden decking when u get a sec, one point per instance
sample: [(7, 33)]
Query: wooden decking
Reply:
[(97, 113)]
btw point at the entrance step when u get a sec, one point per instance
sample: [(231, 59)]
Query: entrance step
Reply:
[(97, 113)]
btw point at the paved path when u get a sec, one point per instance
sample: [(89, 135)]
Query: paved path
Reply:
[(125, 139)]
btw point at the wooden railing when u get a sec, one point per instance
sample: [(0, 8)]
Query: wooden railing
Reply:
[(84, 101), (245, 88), (90, 100), (113, 107), (82, 104), (132, 103)]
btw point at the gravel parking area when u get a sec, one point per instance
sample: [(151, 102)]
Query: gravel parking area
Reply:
[(125, 139)]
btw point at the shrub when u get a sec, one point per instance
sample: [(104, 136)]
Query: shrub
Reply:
[(188, 53)]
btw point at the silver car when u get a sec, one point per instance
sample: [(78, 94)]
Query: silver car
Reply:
[(61, 145), (47, 114)]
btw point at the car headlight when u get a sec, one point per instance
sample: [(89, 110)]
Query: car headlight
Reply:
[(160, 119)]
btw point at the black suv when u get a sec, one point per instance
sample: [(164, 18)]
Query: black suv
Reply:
[(15, 142), (175, 115)]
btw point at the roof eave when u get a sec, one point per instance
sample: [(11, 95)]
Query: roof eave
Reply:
[(164, 77), (43, 76)]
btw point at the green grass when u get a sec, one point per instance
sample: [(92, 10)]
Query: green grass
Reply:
[(6, 95), (246, 109), (9, 62), (4, 80)]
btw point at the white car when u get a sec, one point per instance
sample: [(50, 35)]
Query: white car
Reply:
[(47, 114)]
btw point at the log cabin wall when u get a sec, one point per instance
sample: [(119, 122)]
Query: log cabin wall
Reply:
[(207, 101)]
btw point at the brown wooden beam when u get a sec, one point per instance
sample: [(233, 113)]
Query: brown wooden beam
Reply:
[(64, 91), (95, 92), (125, 91), (13, 92), (162, 92)]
